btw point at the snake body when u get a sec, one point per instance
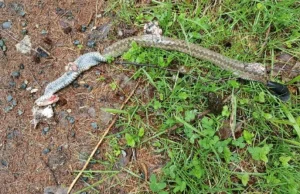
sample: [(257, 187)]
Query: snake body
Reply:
[(249, 71)]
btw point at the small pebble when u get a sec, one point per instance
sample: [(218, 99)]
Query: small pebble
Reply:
[(45, 130), (4, 163), (44, 32), (15, 74), (22, 13), (24, 31), (23, 86), (9, 98), (76, 42), (120, 33), (46, 151), (118, 136), (91, 43), (7, 109), (2, 5), (75, 84), (86, 85), (41, 52), (21, 66), (59, 148), (69, 111), (12, 84), (83, 28), (90, 88), (10, 135), (23, 24), (73, 133), (1, 43), (71, 119), (14, 102), (94, 125), (6, 25), (20, 112)]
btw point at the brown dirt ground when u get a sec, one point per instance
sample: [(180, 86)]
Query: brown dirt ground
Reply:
[(24, 168)]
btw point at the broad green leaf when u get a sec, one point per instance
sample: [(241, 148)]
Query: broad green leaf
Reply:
[(285, 160), (141, 132), (248, 136), (129, 139)]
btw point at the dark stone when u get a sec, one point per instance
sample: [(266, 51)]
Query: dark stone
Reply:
[(12, 84), (21, 66), (46, 151), (15, 74), (76, 42), (75, 84), (24, 31), (91, 43), (4, 163), (23, 86), (71, 119), (83, 28)]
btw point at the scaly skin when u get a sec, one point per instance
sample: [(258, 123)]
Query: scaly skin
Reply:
[(250, 71)]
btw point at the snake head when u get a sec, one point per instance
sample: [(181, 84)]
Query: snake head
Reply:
[(46, 100), (279, 90)]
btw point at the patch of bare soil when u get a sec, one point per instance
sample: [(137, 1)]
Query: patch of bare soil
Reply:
[(33, 159)]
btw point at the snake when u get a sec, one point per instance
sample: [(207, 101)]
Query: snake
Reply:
[(249, 71)]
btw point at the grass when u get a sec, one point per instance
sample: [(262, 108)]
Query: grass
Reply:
[(262, 155)]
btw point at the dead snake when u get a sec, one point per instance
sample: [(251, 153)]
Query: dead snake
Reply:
[(249, 71)]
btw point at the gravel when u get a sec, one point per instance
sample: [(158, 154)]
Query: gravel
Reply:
[(23, 86), (6, 25), (46, 151), (91, 43), (21, 66), (94, 125), (76, 42), (9, 98), (12, 84), (15, 74)]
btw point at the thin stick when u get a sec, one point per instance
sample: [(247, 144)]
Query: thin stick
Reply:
[(103, 136)]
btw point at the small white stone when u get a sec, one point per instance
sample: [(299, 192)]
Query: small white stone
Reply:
[(34, 90), (69, 110)]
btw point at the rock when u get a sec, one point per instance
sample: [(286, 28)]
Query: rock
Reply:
[(90, 88), (4, 163), (46, 130), (91, 43), (23, 86), (23, 24), (12, 84), (21, 66), (46, 151), (9, 98), (94, 125), (2, 4), (20, 112), (7, 25), (24, 31), (7, 109), (71, 119), (44, 32), (24, 46), (15, 74), (83, 28), (76, 42), (14, 102), (22, 13)]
